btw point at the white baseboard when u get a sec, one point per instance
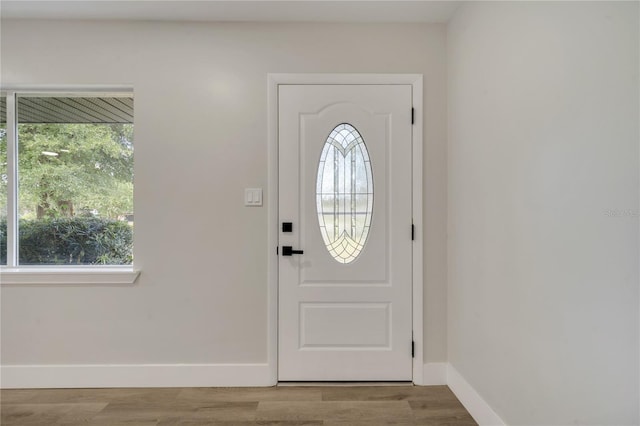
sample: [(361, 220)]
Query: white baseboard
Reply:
[(472, 401), (435, 373), (144, 375)]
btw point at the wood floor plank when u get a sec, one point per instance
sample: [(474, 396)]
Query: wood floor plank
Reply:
[(287, 423), (49, 414), (387, 393), (236, 423), (143, 412), (17, 395), (441, 413), (111, 422), (228, 411), (198, 395), (388, 422), (82, 413), (177, 410), (334, 410), (446, 421)]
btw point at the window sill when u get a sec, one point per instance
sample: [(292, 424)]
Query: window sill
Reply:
[(71, 275)]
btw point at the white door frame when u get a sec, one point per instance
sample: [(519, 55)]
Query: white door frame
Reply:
[(275, 80)]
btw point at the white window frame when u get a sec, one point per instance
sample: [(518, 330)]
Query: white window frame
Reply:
[(14, 274)]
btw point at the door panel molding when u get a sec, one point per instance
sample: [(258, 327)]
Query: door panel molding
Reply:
[(273, 82)]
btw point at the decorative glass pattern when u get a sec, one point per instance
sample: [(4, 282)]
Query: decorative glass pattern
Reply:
[(344, 193)]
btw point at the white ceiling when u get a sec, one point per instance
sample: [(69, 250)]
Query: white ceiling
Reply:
[(235, 11)]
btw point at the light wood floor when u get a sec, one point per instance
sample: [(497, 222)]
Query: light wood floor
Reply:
[(290, 406)]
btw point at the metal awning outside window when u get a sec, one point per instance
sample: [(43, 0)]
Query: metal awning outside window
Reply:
[(72, 109)]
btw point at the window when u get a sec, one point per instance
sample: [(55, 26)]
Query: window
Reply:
[(344, 193), (66, 179)]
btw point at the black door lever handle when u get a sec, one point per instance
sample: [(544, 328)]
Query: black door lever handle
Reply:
[(288, 251)]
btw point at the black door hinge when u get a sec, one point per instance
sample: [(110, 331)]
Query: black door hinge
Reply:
[(413, 116), (277, 250), (413, 349), (413, 232)]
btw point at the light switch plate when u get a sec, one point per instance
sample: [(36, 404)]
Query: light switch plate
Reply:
[(253, 197)]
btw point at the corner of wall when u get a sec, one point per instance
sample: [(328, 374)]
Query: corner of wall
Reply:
[(434, 374), (471, 399), (443, 373)]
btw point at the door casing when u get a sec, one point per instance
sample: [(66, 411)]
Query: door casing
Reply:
[(275, 80)]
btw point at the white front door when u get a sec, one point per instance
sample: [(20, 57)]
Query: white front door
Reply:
[(345, 249)]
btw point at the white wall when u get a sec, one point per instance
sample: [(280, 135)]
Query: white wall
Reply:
[(543, 143), (200, 115)]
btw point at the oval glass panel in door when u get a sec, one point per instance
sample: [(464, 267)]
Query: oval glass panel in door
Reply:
[(344, 193)]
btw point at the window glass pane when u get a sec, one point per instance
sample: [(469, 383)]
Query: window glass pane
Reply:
[(75, 180), (3, 179), (344, 193)]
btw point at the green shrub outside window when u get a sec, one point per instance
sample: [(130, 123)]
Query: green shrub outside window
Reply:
[(71, 241)]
